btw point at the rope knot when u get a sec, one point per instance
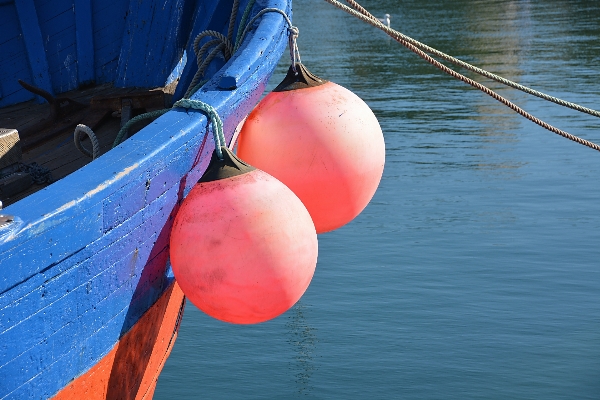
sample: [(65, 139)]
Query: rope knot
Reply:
[(293, 33), (213, 119)]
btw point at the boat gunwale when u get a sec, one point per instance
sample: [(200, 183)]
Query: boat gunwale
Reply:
[(87, 188)]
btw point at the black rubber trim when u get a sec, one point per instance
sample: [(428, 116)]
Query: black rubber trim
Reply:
[(302, 79), (228, 167)]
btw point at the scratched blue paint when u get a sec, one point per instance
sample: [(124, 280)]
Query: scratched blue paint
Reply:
[(92, 253), (30, 28), (86, 353), (14, 62), (235, 75), (107, 26), (85, 41), (49, 247), (149, 40), (146, 293), (89, 294), (125, 202), (57, 25), (214, 22), (176, 72)]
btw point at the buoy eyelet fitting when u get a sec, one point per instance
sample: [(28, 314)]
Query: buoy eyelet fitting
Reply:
[(227, 167), (301, 78)]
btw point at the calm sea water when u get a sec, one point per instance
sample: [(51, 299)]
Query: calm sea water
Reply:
[(475, 270)]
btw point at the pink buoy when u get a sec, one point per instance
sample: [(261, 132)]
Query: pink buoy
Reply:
[(322, 141), (243, 246)]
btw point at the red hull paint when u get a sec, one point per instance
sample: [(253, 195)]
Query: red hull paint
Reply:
[(131, 369)]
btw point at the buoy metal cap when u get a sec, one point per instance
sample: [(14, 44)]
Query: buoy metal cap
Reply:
[(301, 78), (227, 167)]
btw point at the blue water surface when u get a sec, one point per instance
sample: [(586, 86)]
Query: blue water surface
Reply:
[(474, 273)]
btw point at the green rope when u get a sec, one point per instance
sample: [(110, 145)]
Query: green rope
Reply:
[(186, 102), (194, 89), (213, 118), (124, 131), (243, 22)]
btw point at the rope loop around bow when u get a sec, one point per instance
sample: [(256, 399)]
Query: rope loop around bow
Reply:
[(220, 44), (213, 119)]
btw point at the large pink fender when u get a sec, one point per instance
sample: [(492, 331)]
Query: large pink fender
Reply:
[(243, 249), (324, 143)]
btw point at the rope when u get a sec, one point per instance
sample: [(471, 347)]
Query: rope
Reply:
[(238, 39), (232, 18), (293, 45), (293, 33), (400, 38), (470, 67), (225, 42), (81, 130), (221, 44), (249, 26), (124, 131), (213, 118), (39, 174)]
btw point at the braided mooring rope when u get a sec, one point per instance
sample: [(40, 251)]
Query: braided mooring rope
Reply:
[(361, 13), (213, 118), (81, 130), (478, 70), (221, 44)]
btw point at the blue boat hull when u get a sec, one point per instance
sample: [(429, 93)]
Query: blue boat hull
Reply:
[(88, 256)]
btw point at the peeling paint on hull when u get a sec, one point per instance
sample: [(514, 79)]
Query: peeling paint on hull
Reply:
[(130, 370), (87, 260)]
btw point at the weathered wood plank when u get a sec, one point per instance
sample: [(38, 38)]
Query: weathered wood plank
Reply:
[(177, 132), (85, 41), (34, 44), (59, 154), (149, 220), (150, 38), (50, 246), (108, 23), (238, 72), (14, 63), (217, 22), (141, 272), (57, 24)]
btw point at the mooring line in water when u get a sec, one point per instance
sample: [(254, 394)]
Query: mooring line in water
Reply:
[(475, 69), (400, 38)]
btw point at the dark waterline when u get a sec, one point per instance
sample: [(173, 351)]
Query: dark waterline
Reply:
[(474, 271)]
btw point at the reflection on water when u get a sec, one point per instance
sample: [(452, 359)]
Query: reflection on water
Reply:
[(473, 273), (303, 339)]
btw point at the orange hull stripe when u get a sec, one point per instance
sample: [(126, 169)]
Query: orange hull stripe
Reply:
[(131, 369)]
